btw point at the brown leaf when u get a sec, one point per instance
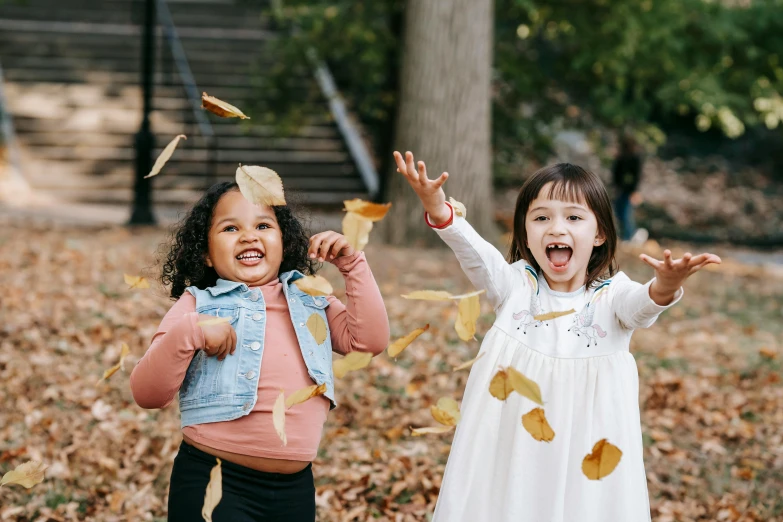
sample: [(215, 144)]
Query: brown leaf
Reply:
[(221, 108), (214, 492), (351, 362), (439, 295), (372, 211), (138, 282), (417, 432), (469, 310), (125, 351), (165, 155), (536, 424), (499, 386), (260, 185), (305, 394), (468, 364), (314, 285), (509, 379), (400, 344), (446, 412), (278, 417), (602, 461), (27, 475), (769, 353), (459, 208), (553, 315), (317, 327), (356, 230)]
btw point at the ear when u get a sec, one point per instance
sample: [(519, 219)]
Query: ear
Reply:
[(208, 261), (599, 240)]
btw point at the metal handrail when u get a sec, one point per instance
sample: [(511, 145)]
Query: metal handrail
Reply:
[(9, 137), (188, 83)]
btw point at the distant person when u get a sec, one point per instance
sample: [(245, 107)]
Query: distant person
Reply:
[(626, 174)]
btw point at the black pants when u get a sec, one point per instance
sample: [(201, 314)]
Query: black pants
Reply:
[(248, 495)]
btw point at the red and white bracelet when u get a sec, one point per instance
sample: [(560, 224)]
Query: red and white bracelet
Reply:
[(444, 225)]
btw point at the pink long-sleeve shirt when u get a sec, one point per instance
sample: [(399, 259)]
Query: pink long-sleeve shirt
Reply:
[(361, 326)]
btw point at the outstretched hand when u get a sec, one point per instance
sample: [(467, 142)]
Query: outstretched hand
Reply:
[(671, 273), (430, 191)]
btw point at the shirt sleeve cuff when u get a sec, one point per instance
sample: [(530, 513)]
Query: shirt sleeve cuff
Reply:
[(347, 263), (653, 306), (444, 225)]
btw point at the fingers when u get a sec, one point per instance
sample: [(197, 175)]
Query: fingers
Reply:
[(650, 261), (233, 340), (667, 259), (400, 161), (326, 245), (411, 167), (441, 180), (423, 179), (315, 244), (339, 244)]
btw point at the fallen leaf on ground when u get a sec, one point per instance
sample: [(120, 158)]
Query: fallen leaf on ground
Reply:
[(769, 353), (27, 475), (356, 230), (260, 185), (468, 364), (317, 327), (214, 492), (537, 426), (417, 432), (165, 155), (400, 344), (314, 285), (602, 461), (300, 396), (124, 352), (553, 315), (366, 209), (446, 412), (138, 282), (351, 362), (469, 310), (221, 108), (278, 417)]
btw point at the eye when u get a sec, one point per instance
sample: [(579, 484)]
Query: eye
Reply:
[(262, 226), (540, 218), (230, 228), (574, 218)]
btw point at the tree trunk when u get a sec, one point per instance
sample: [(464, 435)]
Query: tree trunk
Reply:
[(444, 113)]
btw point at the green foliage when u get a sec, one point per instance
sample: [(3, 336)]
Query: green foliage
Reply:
[(561, 63)]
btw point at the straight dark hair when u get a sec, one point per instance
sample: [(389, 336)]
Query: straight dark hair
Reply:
[(574, 184)]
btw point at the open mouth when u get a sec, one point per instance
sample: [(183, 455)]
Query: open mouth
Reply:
[(250, 257), (559, 255)]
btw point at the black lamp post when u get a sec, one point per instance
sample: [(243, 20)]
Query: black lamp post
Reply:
[(141, 213)]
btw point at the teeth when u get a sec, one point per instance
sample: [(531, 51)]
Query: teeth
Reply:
[(250, 255), (558, 246)]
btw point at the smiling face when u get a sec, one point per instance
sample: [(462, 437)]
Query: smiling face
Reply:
[(245, 241), (561, 236)]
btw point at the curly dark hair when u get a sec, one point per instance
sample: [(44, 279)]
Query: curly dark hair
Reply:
[(185, 263)]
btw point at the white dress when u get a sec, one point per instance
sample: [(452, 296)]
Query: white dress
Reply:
[(496, 471)]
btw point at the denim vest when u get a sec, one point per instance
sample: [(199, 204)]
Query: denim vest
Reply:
[(214, 390)]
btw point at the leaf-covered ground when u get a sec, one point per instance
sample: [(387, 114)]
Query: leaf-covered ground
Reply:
[(712, 402)]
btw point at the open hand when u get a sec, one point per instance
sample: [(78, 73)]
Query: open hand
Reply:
[(671, 273), (430, 192), (220, 340), (329, 245)]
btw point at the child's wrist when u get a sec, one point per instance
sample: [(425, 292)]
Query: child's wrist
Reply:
[(441, 215)]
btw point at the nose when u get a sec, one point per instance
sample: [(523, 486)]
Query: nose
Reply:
[(248, 236), (557, 227)]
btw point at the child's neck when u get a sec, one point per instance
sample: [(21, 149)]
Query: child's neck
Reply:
[(566, 286)]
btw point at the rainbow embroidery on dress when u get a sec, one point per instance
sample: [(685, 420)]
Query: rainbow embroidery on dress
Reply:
[(527, 317), (583, 321)]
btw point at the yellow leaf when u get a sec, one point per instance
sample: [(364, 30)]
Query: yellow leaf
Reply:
[(317, 327), (469, 294), (466, 365), (418, 432), (553, 315), (260, 185), (602, 461), (536, 425), (214, 321), (769, 353), (446, 412), (165, 155), (356, 230), (136, 281), (214, 492), (314, 285), (468, 313), (499, 386), (400, 344), (278, 417), (524, 386), (300, 396), (351, 362), (439, 295), (125, 351), (221, 108), (27, 475), (366, 209), (459, 208)]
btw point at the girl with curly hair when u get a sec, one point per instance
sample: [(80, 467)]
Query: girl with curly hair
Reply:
[(236, 261)]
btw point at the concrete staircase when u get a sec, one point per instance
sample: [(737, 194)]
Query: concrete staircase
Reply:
[(72, 75)]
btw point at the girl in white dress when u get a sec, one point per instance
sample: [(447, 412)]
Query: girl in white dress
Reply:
[(562, 258)]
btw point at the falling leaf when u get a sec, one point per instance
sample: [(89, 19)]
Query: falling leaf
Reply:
[(27, 475), (356, 230), (165, 155), (214, 492), (507, 380), (221, 108), (278, 417), (125, 351), (366, 209), (351, 362), (767, 352), (418, 432), (553, 315), (536, 425), (602, 461), (136, 281), (214, 321), (468, 313), (317, 327), (446, 412), (459, 208), (260, 185), (466, 365), (314, 285), (400, 344), (300, 396), (439, 295)]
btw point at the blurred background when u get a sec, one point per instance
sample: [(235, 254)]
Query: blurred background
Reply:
[(676, 104)]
